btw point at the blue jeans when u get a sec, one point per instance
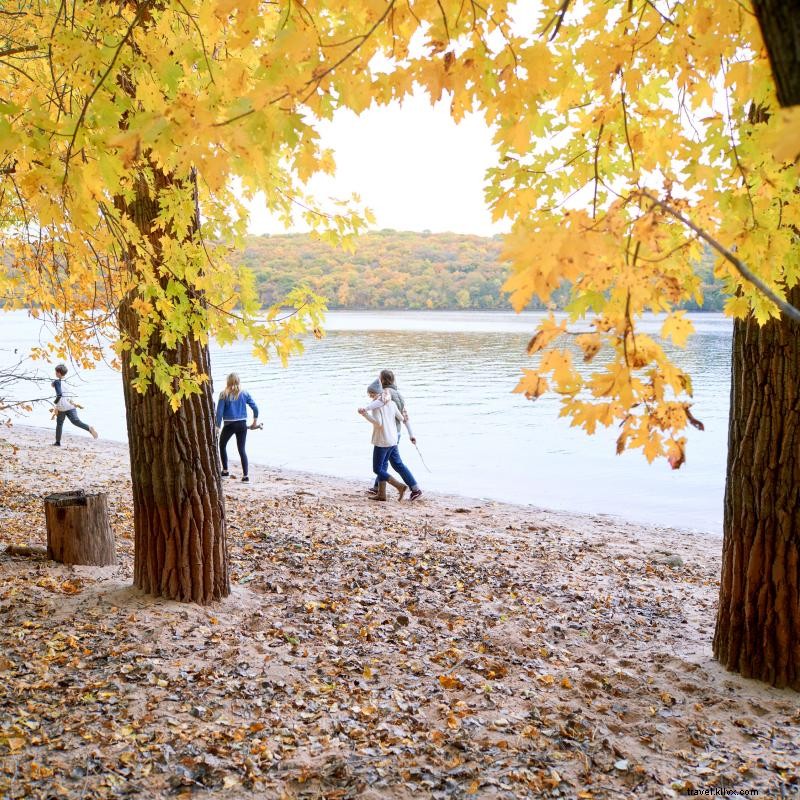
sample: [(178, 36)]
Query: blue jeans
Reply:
[(382, 457), (72, 416)]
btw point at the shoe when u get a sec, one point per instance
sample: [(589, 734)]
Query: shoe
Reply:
[(372, 490), (381, 493), (245, 479), (401, 487), (225, 473), (94, 433), (415, 494), (56, 444)]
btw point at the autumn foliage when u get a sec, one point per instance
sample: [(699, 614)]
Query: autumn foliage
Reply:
[(407, 270), (668, 103)]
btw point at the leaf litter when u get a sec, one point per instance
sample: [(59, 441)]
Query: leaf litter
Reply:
[(450, 649)]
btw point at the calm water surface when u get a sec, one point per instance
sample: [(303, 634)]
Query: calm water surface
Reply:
[(456, 371)]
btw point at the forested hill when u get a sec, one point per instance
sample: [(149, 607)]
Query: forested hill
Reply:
[(395, 270)]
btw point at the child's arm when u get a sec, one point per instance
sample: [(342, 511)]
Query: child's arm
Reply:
[(369, 418), (407, 423), (402, 416), (252, 403), (379, 402)]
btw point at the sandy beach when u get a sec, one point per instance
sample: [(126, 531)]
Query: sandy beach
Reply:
[(448, 648)]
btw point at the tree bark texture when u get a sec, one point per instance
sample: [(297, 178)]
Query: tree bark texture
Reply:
[(78, 531), (758, 621), (779, 21), (179, 512)]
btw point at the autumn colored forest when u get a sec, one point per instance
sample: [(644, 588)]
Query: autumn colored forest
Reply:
[(402, 269)]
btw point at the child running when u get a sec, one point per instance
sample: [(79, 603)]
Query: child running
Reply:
[(382, 413), (65, 408)]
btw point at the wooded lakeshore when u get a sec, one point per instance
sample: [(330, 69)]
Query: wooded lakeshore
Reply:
[(407, 270)]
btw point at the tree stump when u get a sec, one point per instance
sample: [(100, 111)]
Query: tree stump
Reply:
[(78, 531)]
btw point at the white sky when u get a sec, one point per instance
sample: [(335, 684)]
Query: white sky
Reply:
[(412, 165)]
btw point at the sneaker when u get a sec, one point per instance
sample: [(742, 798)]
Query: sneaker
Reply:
[(225, 473), (415, 494), (56, 444), (245, 479), (94, 433), (372, 490)]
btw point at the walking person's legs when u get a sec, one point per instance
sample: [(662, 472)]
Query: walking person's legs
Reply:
[(374, 488), (380, 458), (241, 438), (224, 438), (72, 416), (405, 473), (59, 426)]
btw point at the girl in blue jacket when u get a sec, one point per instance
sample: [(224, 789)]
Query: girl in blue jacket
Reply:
[(232, 418)]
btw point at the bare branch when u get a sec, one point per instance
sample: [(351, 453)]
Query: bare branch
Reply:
[(740, 266), (12, 51)]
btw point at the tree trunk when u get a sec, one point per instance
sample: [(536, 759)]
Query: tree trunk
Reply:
[(758, 622), (178, 505), (779, 21), (77, 529)]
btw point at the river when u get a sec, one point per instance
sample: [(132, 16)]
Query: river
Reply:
[(456, 371)]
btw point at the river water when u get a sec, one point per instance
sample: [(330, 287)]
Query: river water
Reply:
[(456, 371)]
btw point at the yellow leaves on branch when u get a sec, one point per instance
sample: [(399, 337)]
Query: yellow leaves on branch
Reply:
[(677, 328), (637, 387), (187, 106), (685, 111), (549, 330)]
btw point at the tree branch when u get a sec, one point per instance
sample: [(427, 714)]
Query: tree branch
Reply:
[(140, 12), (741, 267), (12, 51)]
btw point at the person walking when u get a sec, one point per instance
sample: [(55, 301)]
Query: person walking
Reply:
[(65, 409), (232, 419), (387, 382), (383, 414)]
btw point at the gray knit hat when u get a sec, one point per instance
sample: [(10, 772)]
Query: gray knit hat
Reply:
[(375, 387)]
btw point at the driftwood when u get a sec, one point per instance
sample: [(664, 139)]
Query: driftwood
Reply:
[(78, 531), (26, 550)]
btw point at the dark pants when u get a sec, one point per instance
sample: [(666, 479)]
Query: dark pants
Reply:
[(382, 457), (239, 430), (72, 416)]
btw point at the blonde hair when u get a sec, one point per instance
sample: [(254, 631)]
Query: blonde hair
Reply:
[(232, 387)]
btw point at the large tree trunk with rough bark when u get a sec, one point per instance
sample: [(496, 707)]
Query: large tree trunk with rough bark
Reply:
[(758, 622), (780, 26), (178, 505)]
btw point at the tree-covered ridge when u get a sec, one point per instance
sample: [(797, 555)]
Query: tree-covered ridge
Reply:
[(401, 270)]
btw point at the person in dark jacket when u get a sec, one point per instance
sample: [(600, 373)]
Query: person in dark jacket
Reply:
[(232, 418), (65, 409)]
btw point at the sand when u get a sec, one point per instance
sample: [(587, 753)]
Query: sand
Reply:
[(448, 648)]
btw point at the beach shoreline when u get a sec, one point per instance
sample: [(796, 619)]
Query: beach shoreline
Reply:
[(330, 483)]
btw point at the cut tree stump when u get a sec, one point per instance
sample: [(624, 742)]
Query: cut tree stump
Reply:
[(78, 531)]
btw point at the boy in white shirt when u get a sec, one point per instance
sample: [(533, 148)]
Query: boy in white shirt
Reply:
[(383, 414)]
